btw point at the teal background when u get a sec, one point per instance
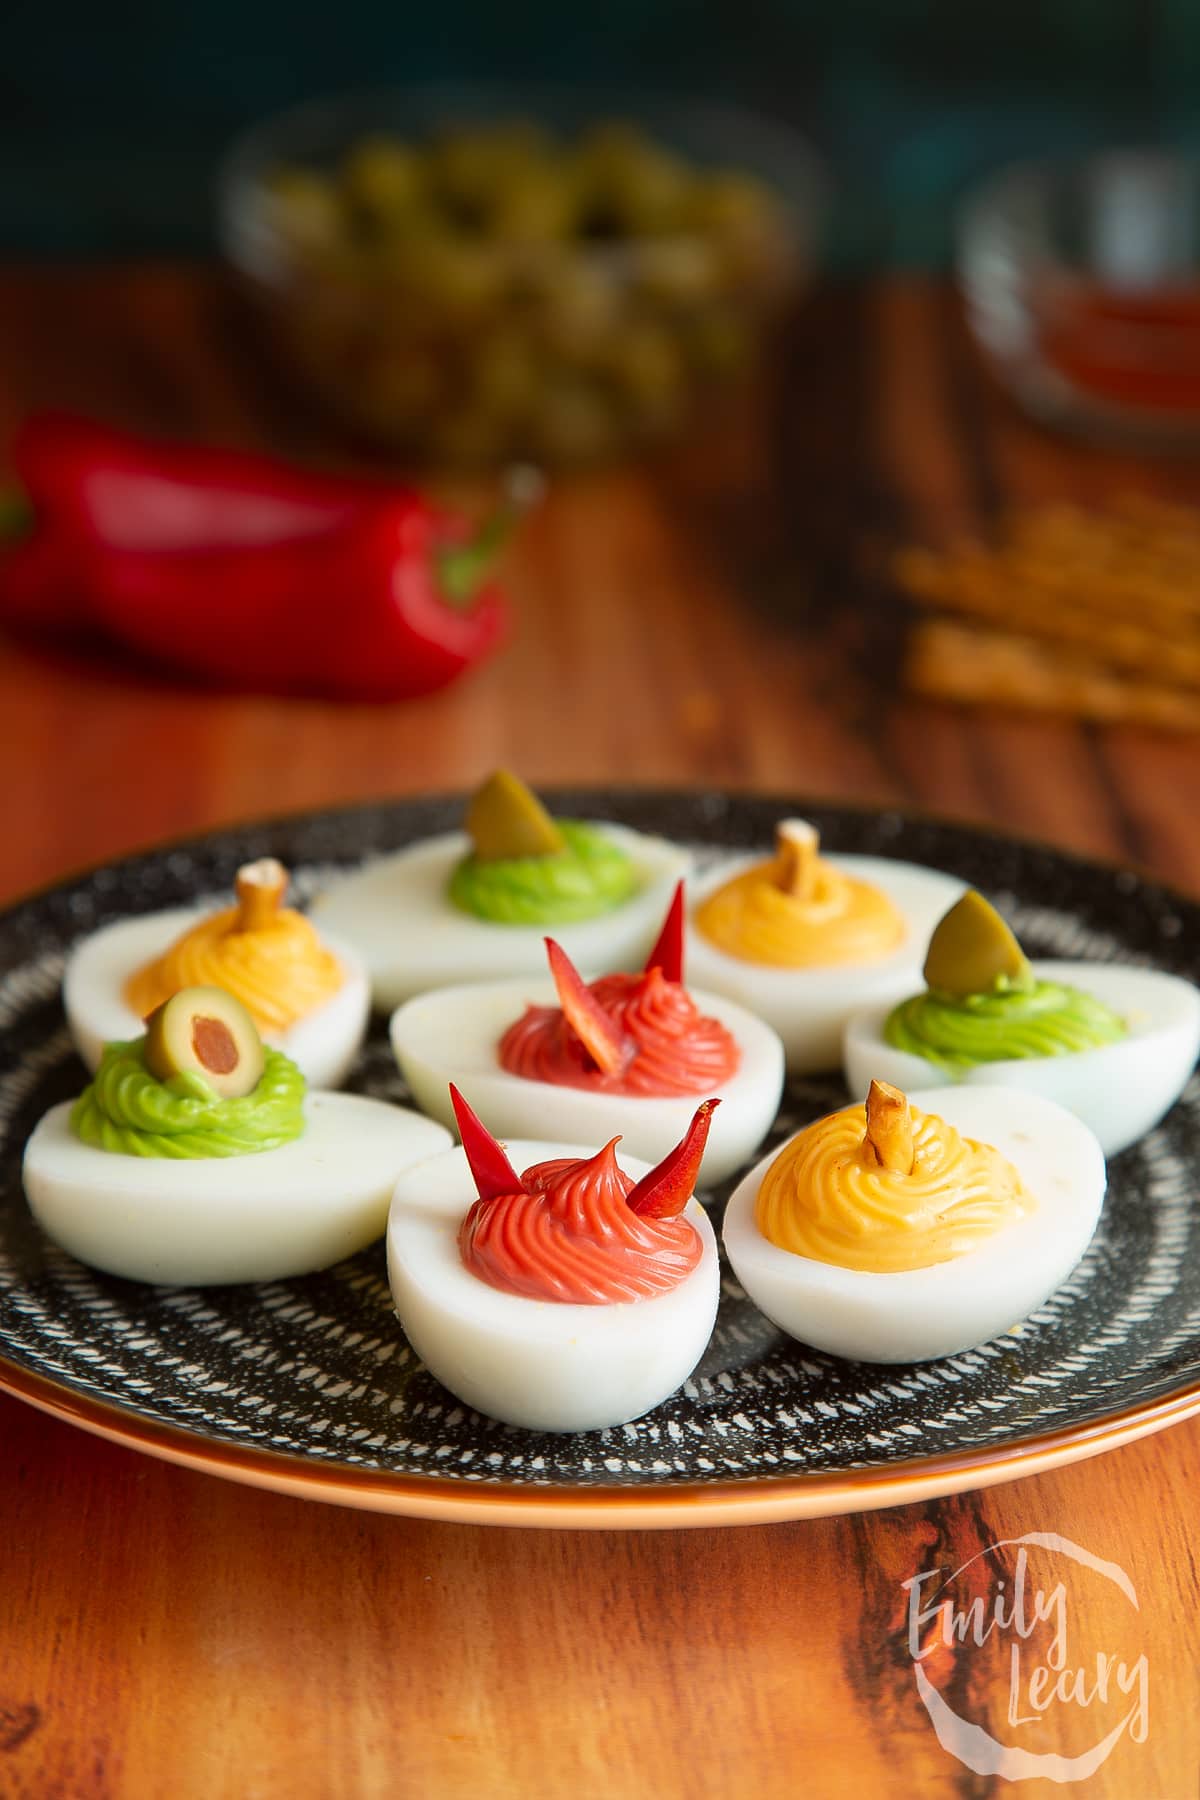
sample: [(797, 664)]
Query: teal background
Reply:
[(113, 116)]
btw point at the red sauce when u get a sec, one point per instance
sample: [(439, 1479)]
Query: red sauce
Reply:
[(572, 1238), (1138, 349), (677, 1049)]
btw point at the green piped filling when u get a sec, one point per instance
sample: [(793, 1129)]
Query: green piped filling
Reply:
[(591, 876), (1010, 1024), (127, 1110)]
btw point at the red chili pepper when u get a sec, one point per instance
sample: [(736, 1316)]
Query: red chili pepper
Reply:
[(667, 953), (607, 1046), (246, 569), (487, 1160), (668, 1187)]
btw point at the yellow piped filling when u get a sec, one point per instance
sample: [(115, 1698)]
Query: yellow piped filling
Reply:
[(826, 1197), (279, 970), (840, 920)]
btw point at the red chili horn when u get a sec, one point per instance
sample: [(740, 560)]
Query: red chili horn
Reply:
[(667, 954), (493, 1173), (666, 1189), (608, 1047)]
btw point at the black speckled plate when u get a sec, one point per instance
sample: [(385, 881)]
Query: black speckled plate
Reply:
[(307, 1386)]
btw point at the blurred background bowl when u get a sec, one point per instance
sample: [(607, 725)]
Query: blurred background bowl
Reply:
[(467, 275), (1082, 284)]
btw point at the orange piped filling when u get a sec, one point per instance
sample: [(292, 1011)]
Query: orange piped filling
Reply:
[(758, 917), (827, 1197), (280, 970)]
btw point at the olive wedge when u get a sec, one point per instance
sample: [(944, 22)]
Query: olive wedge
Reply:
[(505, 819), (205, 1031), (972, 950)]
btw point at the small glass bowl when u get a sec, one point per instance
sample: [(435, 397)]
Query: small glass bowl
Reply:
[(463, 345), (1082, 285)]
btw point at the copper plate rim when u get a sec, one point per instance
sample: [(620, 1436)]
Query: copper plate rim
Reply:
[(756, 1501)]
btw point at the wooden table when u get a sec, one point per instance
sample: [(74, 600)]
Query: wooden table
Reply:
[(691, 622)]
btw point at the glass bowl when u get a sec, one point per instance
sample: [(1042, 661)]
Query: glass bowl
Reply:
[(1082, 285), (473, 275)]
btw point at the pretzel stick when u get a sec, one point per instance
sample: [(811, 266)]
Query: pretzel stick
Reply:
[(948, 661)]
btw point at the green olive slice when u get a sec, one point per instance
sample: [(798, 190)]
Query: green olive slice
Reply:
[(205, 1031)]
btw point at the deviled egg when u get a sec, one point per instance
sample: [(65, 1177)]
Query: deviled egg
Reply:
[(1114, 1044), (886, 1234), (803, 939), (574, 1296), (627, 1053), (196, 1157), (308, 997), (477, 903)]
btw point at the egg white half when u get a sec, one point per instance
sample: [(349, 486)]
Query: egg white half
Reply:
[(543, 1364), (1120, 1090), (197, 1221), (452, 1035), (917, 1314), (398, 916), (809, 1007), (324, 1043)]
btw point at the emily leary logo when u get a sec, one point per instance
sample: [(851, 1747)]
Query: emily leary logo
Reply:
[(1028, 1635)]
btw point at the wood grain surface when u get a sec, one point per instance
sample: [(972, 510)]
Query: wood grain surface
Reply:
[(710, 618)]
